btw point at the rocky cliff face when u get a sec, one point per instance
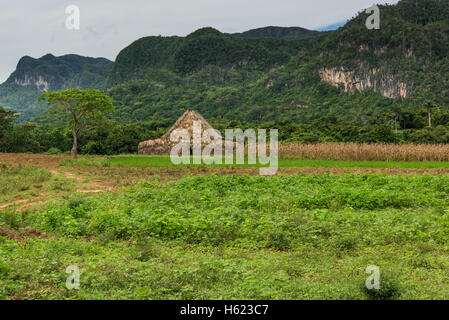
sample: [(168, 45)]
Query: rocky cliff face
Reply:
[(33, 80), (373, 79), (50, 73)]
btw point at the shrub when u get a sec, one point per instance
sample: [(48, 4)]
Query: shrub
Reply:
[(53, 151), (85, 162), (389, 287)]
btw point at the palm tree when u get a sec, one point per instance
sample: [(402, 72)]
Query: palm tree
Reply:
[(395, 114)]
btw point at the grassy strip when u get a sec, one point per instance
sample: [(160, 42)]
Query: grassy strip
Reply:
[(164, 161)]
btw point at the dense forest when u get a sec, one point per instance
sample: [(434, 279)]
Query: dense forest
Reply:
[(349, 85)]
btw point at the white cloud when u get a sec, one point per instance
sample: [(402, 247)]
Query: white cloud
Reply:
[(36, 28)]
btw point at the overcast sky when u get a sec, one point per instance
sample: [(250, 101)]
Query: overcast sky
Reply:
[(35, 28)]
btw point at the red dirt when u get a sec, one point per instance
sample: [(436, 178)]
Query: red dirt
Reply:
[(4, 206), (21, 235), (31, 204), (36, 160)]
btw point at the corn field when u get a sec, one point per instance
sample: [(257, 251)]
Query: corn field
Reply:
[(365, 152)]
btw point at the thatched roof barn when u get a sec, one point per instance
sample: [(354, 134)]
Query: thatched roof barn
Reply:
[(163, 145)]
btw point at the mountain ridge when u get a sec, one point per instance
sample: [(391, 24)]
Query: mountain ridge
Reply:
[(276, 32), (34, 76), (55, 71), (184, 56)]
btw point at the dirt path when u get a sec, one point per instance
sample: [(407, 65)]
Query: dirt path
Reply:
[(26, 203), (84, 182), (14, 203)]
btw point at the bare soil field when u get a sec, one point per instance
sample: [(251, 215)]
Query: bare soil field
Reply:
[(36, 160)]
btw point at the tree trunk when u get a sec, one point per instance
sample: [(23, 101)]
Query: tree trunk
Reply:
[(430, 119), (75, 145), (396, 125)]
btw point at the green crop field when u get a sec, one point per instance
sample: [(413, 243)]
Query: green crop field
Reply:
[(235, 237), (164, 161)]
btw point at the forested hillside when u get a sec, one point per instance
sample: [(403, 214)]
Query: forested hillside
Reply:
[(357, 74), (206, 57)]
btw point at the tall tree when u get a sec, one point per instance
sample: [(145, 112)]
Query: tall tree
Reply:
[(429, 105), (85, 107), (6, 127), (395, 114)]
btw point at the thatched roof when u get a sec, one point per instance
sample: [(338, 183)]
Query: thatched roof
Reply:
[(163, 145), (186, 122)]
